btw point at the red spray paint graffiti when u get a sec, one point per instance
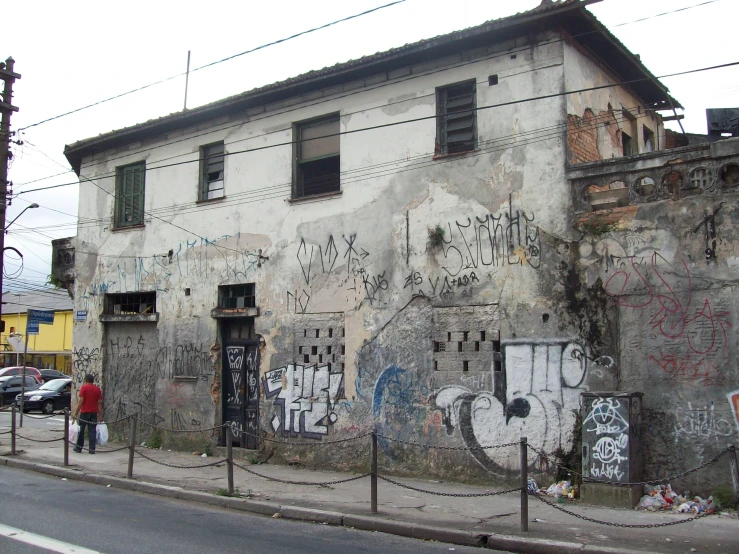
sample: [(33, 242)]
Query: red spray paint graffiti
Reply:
[(703, 329)]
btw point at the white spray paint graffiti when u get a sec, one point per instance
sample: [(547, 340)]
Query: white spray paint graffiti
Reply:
[(701, 424), (535, 395), (605, 418), (306, 396)]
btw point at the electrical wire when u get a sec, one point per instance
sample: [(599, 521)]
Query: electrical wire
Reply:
[(422, 161), (415, 76), (395, 172), (414, 120), (366, 12)]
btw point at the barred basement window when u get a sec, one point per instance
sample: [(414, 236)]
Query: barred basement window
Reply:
[(457, 119), (130, 303), (317, 157), (211, 171), (236, 296), (129, 195)]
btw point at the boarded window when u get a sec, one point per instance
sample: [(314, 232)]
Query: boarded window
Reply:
[(129, 197), (457, 120), (317, 168), (211, 173), (130, 303)]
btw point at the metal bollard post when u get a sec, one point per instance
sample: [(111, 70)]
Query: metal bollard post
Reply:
[(230, 460), (131, 447), (66, 437), (524, 485), (734, 464), (12, 431), (373, 477)]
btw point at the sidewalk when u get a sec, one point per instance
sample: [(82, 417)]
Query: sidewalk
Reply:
[(491, 520)]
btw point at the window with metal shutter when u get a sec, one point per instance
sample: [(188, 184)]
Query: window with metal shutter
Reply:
[(457, 122)]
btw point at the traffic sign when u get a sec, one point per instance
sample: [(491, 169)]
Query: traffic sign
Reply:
[(32, 327), (41, 316)]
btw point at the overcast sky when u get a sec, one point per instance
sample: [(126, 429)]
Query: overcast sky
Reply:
[(74, 53)]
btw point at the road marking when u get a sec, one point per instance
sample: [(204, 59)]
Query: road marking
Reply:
[(43, 542)]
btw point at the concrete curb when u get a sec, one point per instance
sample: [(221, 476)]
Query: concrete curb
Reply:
[(365, 523)]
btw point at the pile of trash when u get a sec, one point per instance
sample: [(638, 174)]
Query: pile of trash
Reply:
[(662, 497), (560, 491)]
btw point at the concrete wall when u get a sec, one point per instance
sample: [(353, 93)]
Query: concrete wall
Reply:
[(489, 332), (668, 264)]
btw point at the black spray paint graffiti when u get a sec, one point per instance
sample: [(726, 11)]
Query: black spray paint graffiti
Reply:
[(83, 360), (445, 288), (344, 257), (709, 226), (184, 360), (510, 238), (535, 394)]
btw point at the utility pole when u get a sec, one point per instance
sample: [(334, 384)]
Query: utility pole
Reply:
[(6, 109)]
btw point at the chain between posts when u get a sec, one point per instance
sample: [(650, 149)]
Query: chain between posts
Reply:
[(38, 440), (199, 466), (642, 483), (29, 416), (440, 447), (98, 450), (625, 525), (289, 482), (451, 494)]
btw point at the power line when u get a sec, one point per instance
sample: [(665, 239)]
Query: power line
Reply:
[(414, 120), (423, 161), (216, 62), (415, 76), (666, 13)]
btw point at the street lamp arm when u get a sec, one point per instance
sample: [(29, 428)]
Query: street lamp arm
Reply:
[(34, 205)]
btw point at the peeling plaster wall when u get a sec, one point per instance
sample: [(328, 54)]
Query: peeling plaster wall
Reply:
[(595, 129), (527, 338), (669, 266)]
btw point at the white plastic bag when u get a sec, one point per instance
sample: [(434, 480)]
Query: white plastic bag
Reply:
[(102, 434), (74, 431)]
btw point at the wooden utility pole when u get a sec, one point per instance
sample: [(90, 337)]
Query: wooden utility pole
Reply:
[(6, 109)]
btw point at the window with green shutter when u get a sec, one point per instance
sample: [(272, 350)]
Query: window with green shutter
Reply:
[(129, 198), (456, 121)]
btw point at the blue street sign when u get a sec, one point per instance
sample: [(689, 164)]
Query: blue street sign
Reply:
[(32, 327), (41, 316)]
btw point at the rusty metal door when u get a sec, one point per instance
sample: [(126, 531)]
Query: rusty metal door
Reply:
[(241, 391)]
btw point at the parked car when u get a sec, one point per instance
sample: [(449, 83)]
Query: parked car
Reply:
[(16, 370), (51, 374), (10, 387), (52, 395)]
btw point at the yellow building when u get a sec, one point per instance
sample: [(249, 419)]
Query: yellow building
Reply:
[(52, 347)]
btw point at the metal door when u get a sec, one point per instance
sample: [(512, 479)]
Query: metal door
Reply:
[(241, 391)]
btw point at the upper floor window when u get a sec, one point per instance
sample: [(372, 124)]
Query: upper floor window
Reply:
[(129, 197), (211, 171), (648, 139), (456, 128), (317, 157), (236, 296), (130, 303)]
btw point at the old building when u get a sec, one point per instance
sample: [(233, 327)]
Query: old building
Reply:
[(448, 241)]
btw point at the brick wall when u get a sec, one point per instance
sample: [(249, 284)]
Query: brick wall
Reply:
[(582, 138)]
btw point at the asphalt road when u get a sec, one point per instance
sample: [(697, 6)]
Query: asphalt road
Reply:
[(56, 422), (113, 521)]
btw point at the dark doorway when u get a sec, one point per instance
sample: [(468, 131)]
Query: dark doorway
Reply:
[(241, 381)]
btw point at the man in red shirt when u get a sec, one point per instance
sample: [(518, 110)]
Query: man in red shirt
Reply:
[(90, 409)]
